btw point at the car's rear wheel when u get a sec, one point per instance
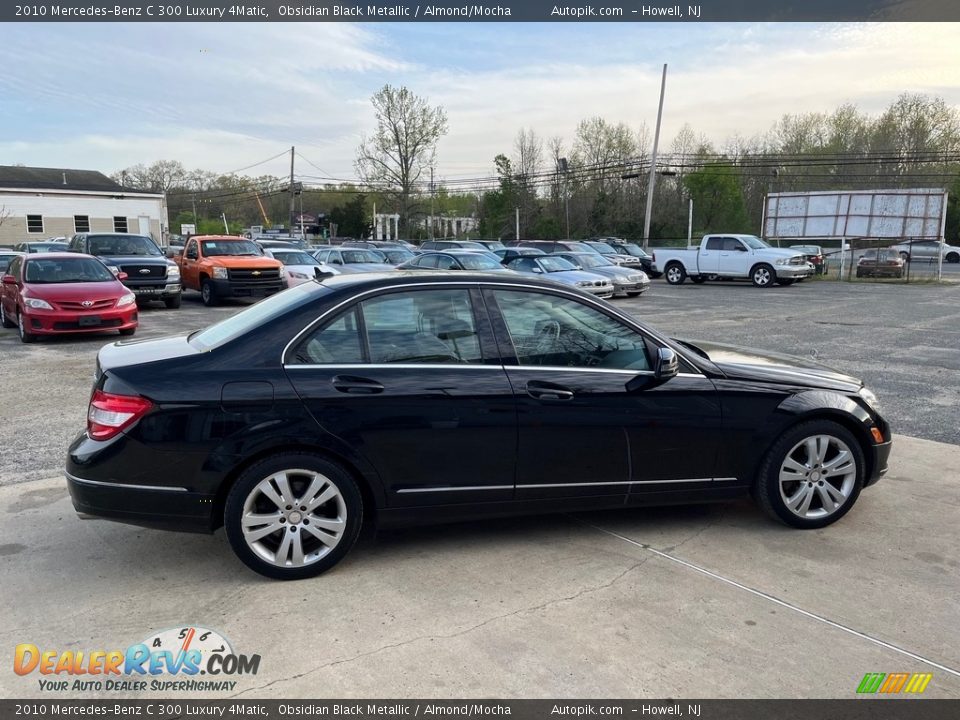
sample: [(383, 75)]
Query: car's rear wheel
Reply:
[(207, 293), (173, 303), (953, 258), (763, 275), (905, 256), (25, 335), (675, 273), (812, 475), (293, 516), (4, 320)]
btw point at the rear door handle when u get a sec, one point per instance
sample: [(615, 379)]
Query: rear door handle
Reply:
[(358, 385), (548, 391)]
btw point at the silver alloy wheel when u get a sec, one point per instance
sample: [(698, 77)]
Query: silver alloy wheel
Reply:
[(762, 276), (206, 292), (674, 274), (293, 518), (817, 476)]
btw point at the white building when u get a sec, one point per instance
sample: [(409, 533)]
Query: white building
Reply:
[(39, 203)]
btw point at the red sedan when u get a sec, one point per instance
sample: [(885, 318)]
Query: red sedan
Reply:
[(52, 293)]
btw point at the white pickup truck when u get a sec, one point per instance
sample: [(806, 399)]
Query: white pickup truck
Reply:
[(732, 256)]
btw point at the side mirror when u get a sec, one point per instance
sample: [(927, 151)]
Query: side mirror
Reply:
[(320, 274), (122, 276), (667, 364), (741, 248)]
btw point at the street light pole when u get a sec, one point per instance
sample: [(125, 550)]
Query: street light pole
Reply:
[(653, 164)]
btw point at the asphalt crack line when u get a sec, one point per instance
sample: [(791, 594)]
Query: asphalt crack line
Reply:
[(533, 608), (776, 600)]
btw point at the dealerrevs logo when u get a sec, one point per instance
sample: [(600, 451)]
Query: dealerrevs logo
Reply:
[(170, 660)]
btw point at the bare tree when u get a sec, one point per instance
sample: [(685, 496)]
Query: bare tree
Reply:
[(528, 157), (4, 213), (402, 147)]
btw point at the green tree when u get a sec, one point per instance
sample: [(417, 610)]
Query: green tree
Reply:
[(717, 199), (402, 147), (351, 217)]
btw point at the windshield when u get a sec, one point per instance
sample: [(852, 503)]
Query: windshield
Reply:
[(212, 248), (254, 316), (556, 264), (66, 270), (753, 242), (123, 245), (363, 256), (603, 248), (294, 257), (589, 261), (395, 257), (634, 249), (580, 247), (46, 247), (492, 244), (478, 262)]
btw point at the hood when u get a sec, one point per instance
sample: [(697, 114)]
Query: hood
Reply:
[(782, 252), (750, 364), (572, 276), (364, 267), (78, 291), (242, 262), (133, 352)]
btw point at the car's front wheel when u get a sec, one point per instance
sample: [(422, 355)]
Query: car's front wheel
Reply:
[(25, 335), (293, 516), (173, 302), (953, 258), (763, 275), (812, 475), (208, 294)]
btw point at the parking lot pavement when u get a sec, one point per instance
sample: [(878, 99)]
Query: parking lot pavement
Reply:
[(613, 604)]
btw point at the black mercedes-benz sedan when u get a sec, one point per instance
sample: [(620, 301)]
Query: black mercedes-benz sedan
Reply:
[(401, 398)]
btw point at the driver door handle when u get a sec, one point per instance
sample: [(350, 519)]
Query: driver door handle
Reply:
[(548, 391), (356, 385)]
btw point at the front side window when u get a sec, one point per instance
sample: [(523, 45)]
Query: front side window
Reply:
[(732, 245), (552, 331), (419, 326)]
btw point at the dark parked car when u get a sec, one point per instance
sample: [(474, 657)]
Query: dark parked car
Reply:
[(454, 260), (404, 398), (646, 259), (509, 253), (150, 274)]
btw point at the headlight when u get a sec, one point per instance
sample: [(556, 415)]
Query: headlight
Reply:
[(173, 271), (37, 304), (783, 261), (298, 276), (870, 399), (128, 299), (584, 283), (221, 273)]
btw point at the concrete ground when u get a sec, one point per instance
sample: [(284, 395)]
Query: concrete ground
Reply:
[(708, 601), (559, 606)]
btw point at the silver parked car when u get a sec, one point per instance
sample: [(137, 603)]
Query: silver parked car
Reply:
[(627, 282), (354, 260), (559, 270), (930, 250)]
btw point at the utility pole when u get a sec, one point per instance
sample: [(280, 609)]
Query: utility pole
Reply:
[(653, 164), (226, 228), (290, 220), (430, 222), (690, 224), (196, 222), (518, 222), (373, 234)]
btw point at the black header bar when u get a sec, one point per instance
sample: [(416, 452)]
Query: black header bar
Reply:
[(467, 11)]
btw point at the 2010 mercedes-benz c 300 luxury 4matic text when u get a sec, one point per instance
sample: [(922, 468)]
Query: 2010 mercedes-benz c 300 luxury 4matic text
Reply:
[(401, 398)]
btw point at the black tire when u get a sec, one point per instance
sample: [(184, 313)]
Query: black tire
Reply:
[(786, 283), (953, 258), (25, 337), (763, 275), (332, 474), (127, 332), (697, 279), (859, 272), (173, 303), (634, 294), (675, 273), (905, 256), (767, 487), (208, 293), (4, 320)]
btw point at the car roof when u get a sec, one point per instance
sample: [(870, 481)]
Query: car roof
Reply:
[(420, 277), (46, 255), (220, 237)]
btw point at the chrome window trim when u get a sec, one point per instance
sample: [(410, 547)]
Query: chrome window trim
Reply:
[(589, 299), (101, 483)]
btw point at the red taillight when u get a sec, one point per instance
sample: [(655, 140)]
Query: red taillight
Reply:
[(109, 414)]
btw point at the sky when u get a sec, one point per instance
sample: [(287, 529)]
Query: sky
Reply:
[(223, 97)]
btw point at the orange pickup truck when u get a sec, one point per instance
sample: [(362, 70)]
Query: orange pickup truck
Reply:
[(222, 266)]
